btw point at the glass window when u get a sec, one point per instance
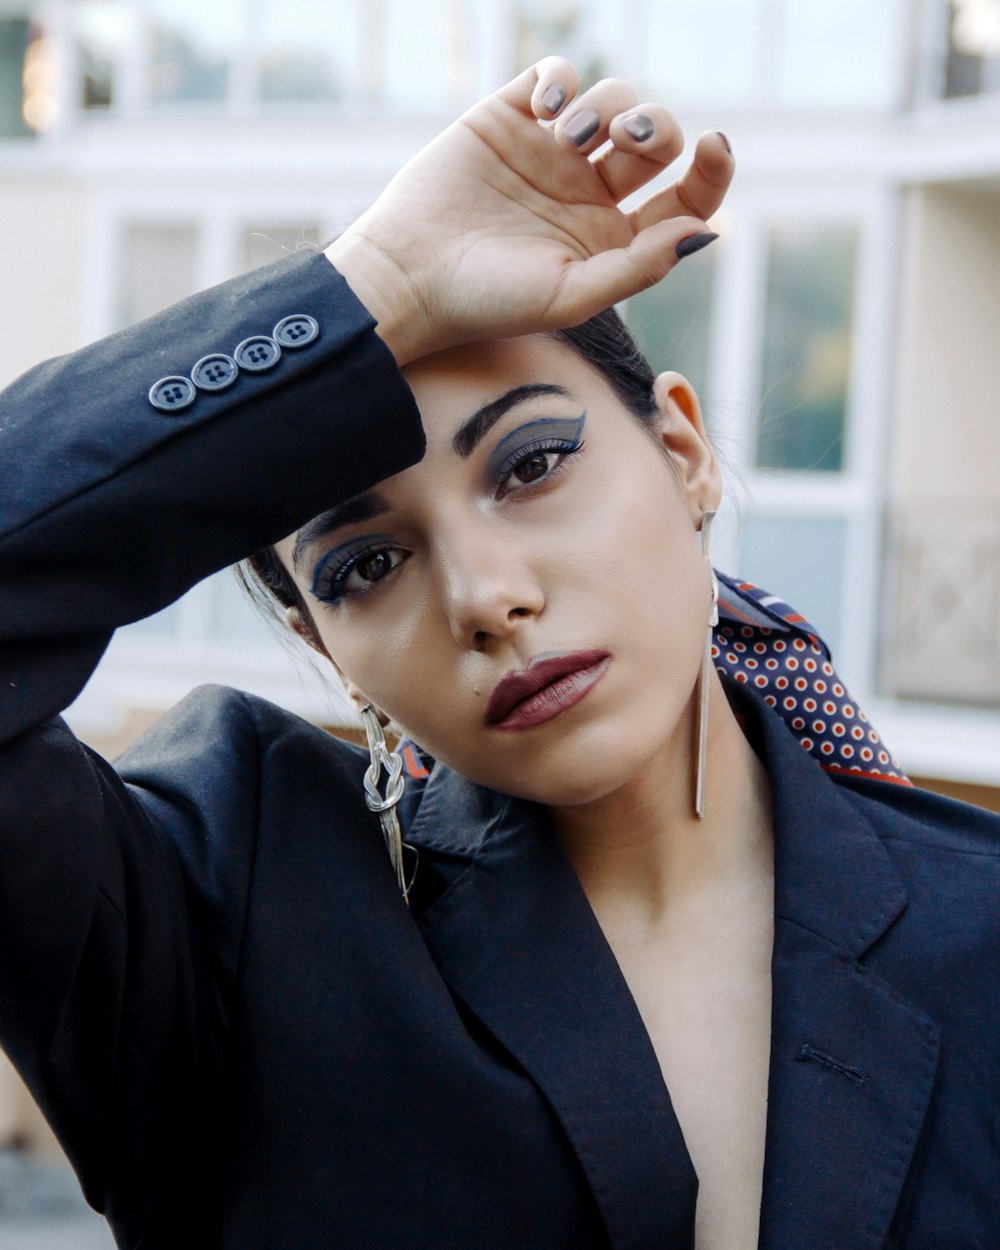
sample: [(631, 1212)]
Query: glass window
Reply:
[(191, 46), (807, 348), (672, 321), (158, 267), (802, 560), (427, 51), (262, 244), (585, 31), (708, 51), (309, 51), (101, 33), (973, 62), (839, 52), (15, 34)]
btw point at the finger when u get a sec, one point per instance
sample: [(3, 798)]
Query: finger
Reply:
[(644, 141), (544, 89), (585, 126), (609, 277), (698, 192)]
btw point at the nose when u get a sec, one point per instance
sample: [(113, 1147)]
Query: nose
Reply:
[(489, 586)]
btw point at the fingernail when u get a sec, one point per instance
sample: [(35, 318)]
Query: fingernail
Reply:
[(582, 126), (639, 126), (694, 243), (729, 148), (555, 97)]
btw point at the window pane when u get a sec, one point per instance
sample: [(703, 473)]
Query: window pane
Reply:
[(309, 51), (672, 321), (800, 559), (101, 31), (587, 32), (157, 268), (427, 51), (973, 64), (710, 51), (191, 45), (825, 59), (262, 244), (807, 349), (14, 37)]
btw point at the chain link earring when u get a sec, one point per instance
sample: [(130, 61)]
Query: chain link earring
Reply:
[(384, 806), (704, 676)]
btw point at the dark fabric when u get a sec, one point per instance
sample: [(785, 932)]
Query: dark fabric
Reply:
[(208, 977)]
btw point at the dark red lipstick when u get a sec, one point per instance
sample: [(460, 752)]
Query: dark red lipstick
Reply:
[(548, 686)]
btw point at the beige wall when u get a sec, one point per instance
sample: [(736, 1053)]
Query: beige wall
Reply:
[(44, 231), (947, 413)]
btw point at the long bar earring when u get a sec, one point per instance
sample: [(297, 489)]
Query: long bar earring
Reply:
[(704, 675), (384, 808)]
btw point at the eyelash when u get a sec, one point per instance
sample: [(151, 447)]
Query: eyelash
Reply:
[(329, 581), (330, 578), (542, 447)]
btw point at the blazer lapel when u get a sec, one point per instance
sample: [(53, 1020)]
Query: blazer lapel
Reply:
[(516, 940), (852, 1062)]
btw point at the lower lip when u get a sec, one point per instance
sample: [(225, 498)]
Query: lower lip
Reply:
[(555, 698)]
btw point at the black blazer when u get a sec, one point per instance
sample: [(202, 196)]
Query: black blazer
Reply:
[(207, 975)]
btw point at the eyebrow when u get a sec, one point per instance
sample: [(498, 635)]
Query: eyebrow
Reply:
[(351, 512), (473, 430)]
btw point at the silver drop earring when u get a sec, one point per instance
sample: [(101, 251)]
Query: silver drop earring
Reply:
[(385, 807), (704, 675)]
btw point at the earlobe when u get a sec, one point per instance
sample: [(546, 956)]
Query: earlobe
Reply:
[(685, 440)]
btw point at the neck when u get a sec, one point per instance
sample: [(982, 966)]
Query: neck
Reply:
[(647, 862)]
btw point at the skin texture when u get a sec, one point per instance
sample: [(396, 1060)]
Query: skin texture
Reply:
[(600, 553), (595, 551), (502, 226)]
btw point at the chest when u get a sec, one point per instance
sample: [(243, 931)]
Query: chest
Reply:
[(707, 1008)]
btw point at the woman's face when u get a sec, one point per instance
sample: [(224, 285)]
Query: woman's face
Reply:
[(529, 602)]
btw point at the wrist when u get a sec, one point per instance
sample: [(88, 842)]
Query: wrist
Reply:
[(385, 290)]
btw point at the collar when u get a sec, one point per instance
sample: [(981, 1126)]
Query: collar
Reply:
[(852, 1062)]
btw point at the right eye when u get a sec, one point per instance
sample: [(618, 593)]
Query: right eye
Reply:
[(341, 574)]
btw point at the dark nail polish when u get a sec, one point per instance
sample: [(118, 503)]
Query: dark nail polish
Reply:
[(555, 97), (694, 243), (582, 126), (639, 126), (725, 141)]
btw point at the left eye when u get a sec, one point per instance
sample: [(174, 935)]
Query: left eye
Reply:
[(344, 574), (534, 467), (372, 568)]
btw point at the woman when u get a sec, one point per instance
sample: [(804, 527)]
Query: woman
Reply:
[(243, 1035)]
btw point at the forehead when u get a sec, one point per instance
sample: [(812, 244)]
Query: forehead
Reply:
[(450, 385)]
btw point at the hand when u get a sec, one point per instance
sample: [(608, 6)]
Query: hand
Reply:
[(502, 226)]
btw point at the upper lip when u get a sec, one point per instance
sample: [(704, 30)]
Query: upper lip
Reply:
[(517, 685)]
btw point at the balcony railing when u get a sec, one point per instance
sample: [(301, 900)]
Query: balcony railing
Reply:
[(943, 638)]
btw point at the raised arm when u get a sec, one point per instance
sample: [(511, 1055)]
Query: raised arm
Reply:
[(511, 220)]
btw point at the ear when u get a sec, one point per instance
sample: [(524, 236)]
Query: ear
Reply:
[(683, 435), (298, 624)]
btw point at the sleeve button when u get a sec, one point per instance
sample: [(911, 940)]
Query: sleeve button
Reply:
[(172, 394), (215, 372), (297, 330), (258, 353)]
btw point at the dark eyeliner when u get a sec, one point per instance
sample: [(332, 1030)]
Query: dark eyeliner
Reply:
[(545, 434), (334, 567)]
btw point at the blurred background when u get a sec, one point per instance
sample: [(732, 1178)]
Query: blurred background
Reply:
[(843, 333)]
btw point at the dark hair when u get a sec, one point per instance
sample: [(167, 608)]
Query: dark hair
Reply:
[(603, 342)]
